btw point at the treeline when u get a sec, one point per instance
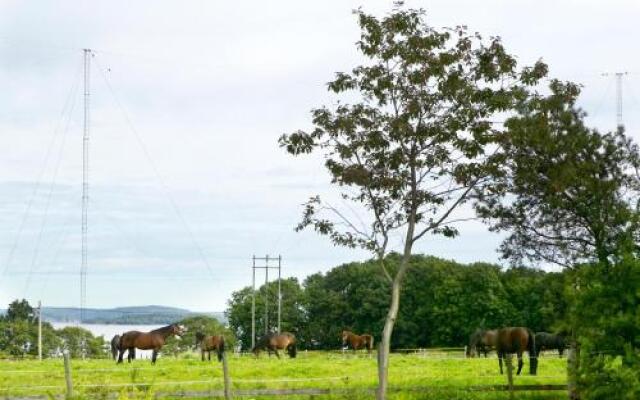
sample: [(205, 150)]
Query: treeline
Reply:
[(442, 303), (19, 336)]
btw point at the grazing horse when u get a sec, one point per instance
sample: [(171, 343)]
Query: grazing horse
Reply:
[(357, 341), (549, 341), (208, 343), (153, 340), (482, 341), (276, 341), (517, 340), (115, 346)]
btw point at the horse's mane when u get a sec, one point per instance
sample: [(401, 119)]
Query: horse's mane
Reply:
[(163, 329)]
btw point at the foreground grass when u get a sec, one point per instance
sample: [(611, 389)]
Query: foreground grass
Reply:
[(450, 377)]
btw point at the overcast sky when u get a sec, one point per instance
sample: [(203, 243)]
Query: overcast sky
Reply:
[(186, 179)]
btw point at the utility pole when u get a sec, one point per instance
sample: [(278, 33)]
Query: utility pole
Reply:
[(267, 260), (279, 291), (85, 179), (618, 76), (39, 330), (266, 297), (253, 305)]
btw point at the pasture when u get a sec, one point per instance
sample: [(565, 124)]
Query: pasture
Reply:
[(412, 376)]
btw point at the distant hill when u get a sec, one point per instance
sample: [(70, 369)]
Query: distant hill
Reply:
[(139, 315)]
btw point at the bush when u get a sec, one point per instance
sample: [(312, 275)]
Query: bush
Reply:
[(611, 377)]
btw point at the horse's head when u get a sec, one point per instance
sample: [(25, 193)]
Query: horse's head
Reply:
[(178, 330), (474, 340), (345, 337)]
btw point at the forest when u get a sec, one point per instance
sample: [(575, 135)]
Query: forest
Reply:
[(443, 303)]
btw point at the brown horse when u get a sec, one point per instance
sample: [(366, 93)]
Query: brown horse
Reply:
[(153, 340), (274, 342), (357, 341), (482, 341), (208, 343), (517, 340)]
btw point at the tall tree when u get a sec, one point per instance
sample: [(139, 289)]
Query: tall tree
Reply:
[(20, 310), (567, 194), (417, 139), (80, 342)]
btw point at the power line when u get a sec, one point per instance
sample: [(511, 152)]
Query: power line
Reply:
[(36, 188), (163, 185), (49, 196)]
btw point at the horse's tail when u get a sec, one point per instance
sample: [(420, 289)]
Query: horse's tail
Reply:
[(221, 348), (293, 352), (293, 349), (533, 353)]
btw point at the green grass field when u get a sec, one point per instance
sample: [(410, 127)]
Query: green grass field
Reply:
[(451, 377)]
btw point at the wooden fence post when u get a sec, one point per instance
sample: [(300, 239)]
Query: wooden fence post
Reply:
[(509, 361), (67, 375), (227, 378), (573, 359)]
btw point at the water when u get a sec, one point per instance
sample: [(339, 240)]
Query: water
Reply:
[(109, 331)]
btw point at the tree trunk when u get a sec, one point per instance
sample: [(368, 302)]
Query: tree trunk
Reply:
[(573, 367), (396, 286), (385, 343)]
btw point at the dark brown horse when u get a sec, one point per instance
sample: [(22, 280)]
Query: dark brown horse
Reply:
[(482, 341), (153, 340), (274, 342), (357, 342), (208, 343), (516, 341), (115, 346), (549, 341)]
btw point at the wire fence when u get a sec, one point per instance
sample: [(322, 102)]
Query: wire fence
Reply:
[(454, 374)]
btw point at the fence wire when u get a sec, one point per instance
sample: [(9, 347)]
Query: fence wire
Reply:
[(442, 372)]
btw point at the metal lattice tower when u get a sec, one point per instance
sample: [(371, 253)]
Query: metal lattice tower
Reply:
[(618, 76), (85, 180)]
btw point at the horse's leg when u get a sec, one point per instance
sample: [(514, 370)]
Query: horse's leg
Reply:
[(130, 354), (500, 355), (120, 354), (519, 362), (277, 354), (209, 355), (560, 351), (154, 356), (202, 354)]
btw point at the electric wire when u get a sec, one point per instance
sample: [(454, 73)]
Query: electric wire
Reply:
[(159, 177)]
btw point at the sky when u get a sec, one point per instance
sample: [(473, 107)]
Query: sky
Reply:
[(188, 99)]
